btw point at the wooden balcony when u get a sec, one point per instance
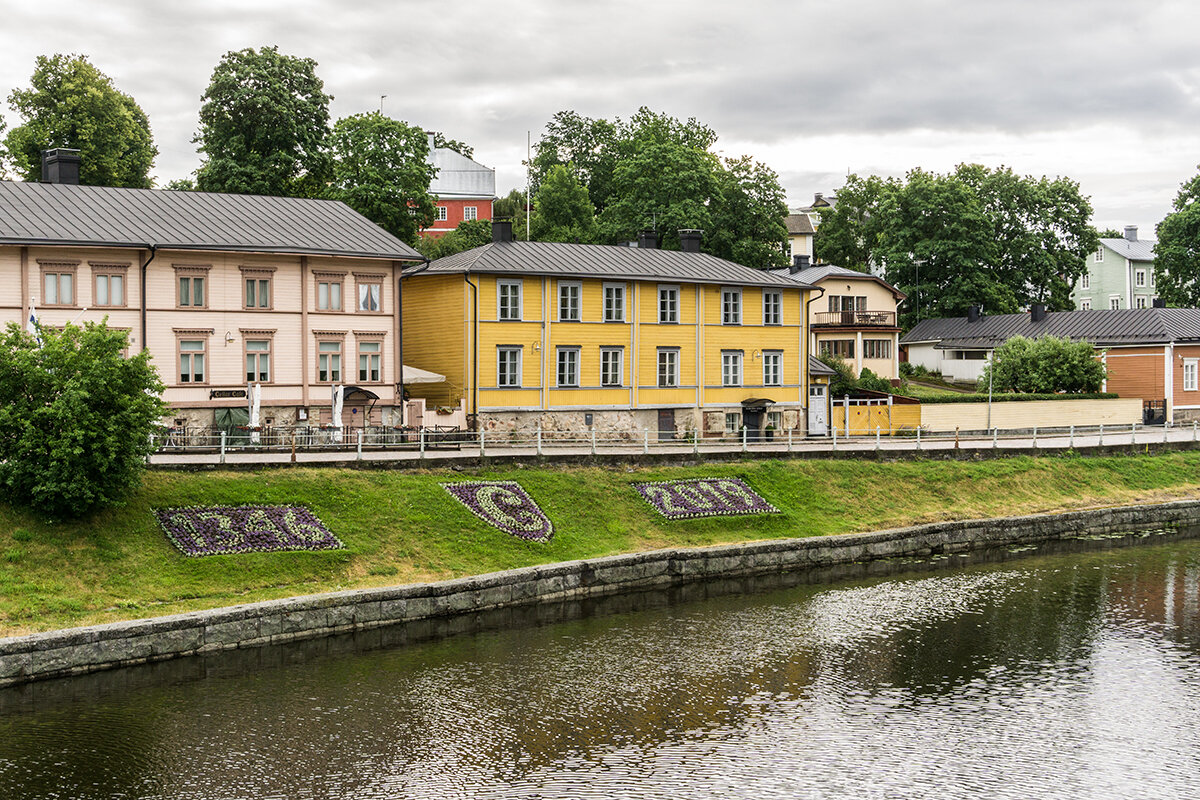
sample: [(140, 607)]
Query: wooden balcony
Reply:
[(856, 319)]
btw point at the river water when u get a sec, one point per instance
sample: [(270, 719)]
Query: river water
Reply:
[(1046, 674)]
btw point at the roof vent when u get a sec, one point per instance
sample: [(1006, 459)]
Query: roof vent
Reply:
[(799, 263), (648, 240), (974, 313), (502, 230), (1037, 312), (1131, 233), (60, 165), (689, 240)]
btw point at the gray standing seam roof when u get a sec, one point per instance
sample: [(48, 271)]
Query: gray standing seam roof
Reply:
[(459, 176), (1101, 327), (819, 272), (1134, 250), (104, 216), (605, 261)]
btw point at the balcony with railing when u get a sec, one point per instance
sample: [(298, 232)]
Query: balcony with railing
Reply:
[(856, 319)]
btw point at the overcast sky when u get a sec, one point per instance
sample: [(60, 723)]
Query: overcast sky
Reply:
[(1104, 92)]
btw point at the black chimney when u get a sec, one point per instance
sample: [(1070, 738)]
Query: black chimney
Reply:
[(60, 165), (1037, 312), (648, 240), (974, 313), (799, 263), (1160, 303), (502, 230), (689, 240)]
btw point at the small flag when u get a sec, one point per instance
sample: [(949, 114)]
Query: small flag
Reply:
[(32, 325)]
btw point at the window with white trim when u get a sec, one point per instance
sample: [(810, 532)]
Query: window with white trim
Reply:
[(441, 215), (731, 367), (1139, 278), (1189, 374), (668, 304), (508, 300), (568, 367), (772, 307), (508, 366), (614, 302), (612, 366), (1099, 257), (1085, 281), (569, 294), (1114, 303), (772, 367), (668, 367), (1140, 302), (733, 422), (731, 306), (470, 213), (1085, 304)]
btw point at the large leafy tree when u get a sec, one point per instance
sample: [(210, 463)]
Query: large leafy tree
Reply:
[(562, 210), (70, 103), (75, 417), (381, 170), (1046, 365), (1177, 252), (468, 234), (264, 123), (748, 217), (973, 237)]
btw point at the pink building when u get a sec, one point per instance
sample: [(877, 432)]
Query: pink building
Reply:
[(224, 290)]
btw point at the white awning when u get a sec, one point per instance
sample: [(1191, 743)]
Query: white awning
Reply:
[(414, 375)]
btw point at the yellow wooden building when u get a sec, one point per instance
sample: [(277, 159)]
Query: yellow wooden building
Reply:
[(572, 337)]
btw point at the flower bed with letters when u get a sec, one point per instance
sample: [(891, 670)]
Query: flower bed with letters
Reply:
[(218, 530), (504, 505), (704, 497)]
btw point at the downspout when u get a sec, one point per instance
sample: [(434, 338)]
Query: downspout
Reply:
[(400, 331), (807, 322), (474, 372), (811, 341), (153, 252)]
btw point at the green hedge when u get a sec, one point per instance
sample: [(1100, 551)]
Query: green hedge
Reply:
[(1019, 398)]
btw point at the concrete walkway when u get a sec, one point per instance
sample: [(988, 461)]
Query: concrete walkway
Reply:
[(938, 445)]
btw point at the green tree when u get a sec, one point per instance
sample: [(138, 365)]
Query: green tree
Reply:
[(747, 221), (1046, 365), (381, 170), (843, 382), (75, 417), (70, 103), (563, 212), (512, 206), (1177, 252), (468, 234), (462, 148), (587, 145), (180, 185), (264, 123), (974, 237)]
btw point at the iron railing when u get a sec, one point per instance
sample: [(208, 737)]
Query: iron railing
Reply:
[(857, 319)]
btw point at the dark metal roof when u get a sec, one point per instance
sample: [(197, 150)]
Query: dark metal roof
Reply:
[(73, 215), (1101, 327), (605, 261), (818, 367), (815, 274)]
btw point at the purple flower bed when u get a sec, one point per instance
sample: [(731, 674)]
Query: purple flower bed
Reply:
[(218, 530), (504, 505), (704, 497)]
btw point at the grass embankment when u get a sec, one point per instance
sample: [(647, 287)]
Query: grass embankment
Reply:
[(402, 527)]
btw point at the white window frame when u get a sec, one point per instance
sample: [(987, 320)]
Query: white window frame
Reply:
[(668, 315), (1190, 374), (612, 375), (731, 367), (1085, 282), (731, 305), (1098, 258), (772, 367), (1085, 304), (1141, 301), (442, 214), (733, 423), (567, 357), (772, 307), (502, 377), (1139, 278), (501, 285), (614, 302), (669, 357), (1114, 303), (570, 300), (470, 213)]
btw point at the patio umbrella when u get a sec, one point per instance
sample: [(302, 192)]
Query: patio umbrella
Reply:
[(338, 392), (255, 394)]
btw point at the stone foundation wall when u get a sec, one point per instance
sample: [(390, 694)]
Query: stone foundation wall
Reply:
[(608, 424), (80, 650)]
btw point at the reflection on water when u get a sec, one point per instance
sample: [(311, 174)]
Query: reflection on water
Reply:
[(1049, 676)]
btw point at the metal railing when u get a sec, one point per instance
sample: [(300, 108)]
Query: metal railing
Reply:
[(857, 319)]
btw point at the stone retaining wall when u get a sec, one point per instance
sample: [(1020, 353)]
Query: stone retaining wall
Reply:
[(80, 650)]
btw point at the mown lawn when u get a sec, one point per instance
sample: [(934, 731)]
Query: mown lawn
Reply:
[(402, 527)]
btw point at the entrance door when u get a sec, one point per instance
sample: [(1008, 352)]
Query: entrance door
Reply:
[(818, 411), (752, 419), (666, 424)]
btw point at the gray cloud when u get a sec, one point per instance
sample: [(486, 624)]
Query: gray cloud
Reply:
[(769, 76)]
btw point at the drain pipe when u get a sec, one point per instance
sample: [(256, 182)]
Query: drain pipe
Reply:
[(400, 331), (153, 252)]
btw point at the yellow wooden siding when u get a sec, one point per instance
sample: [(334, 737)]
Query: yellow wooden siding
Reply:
[(510, 398), (435, 324)]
